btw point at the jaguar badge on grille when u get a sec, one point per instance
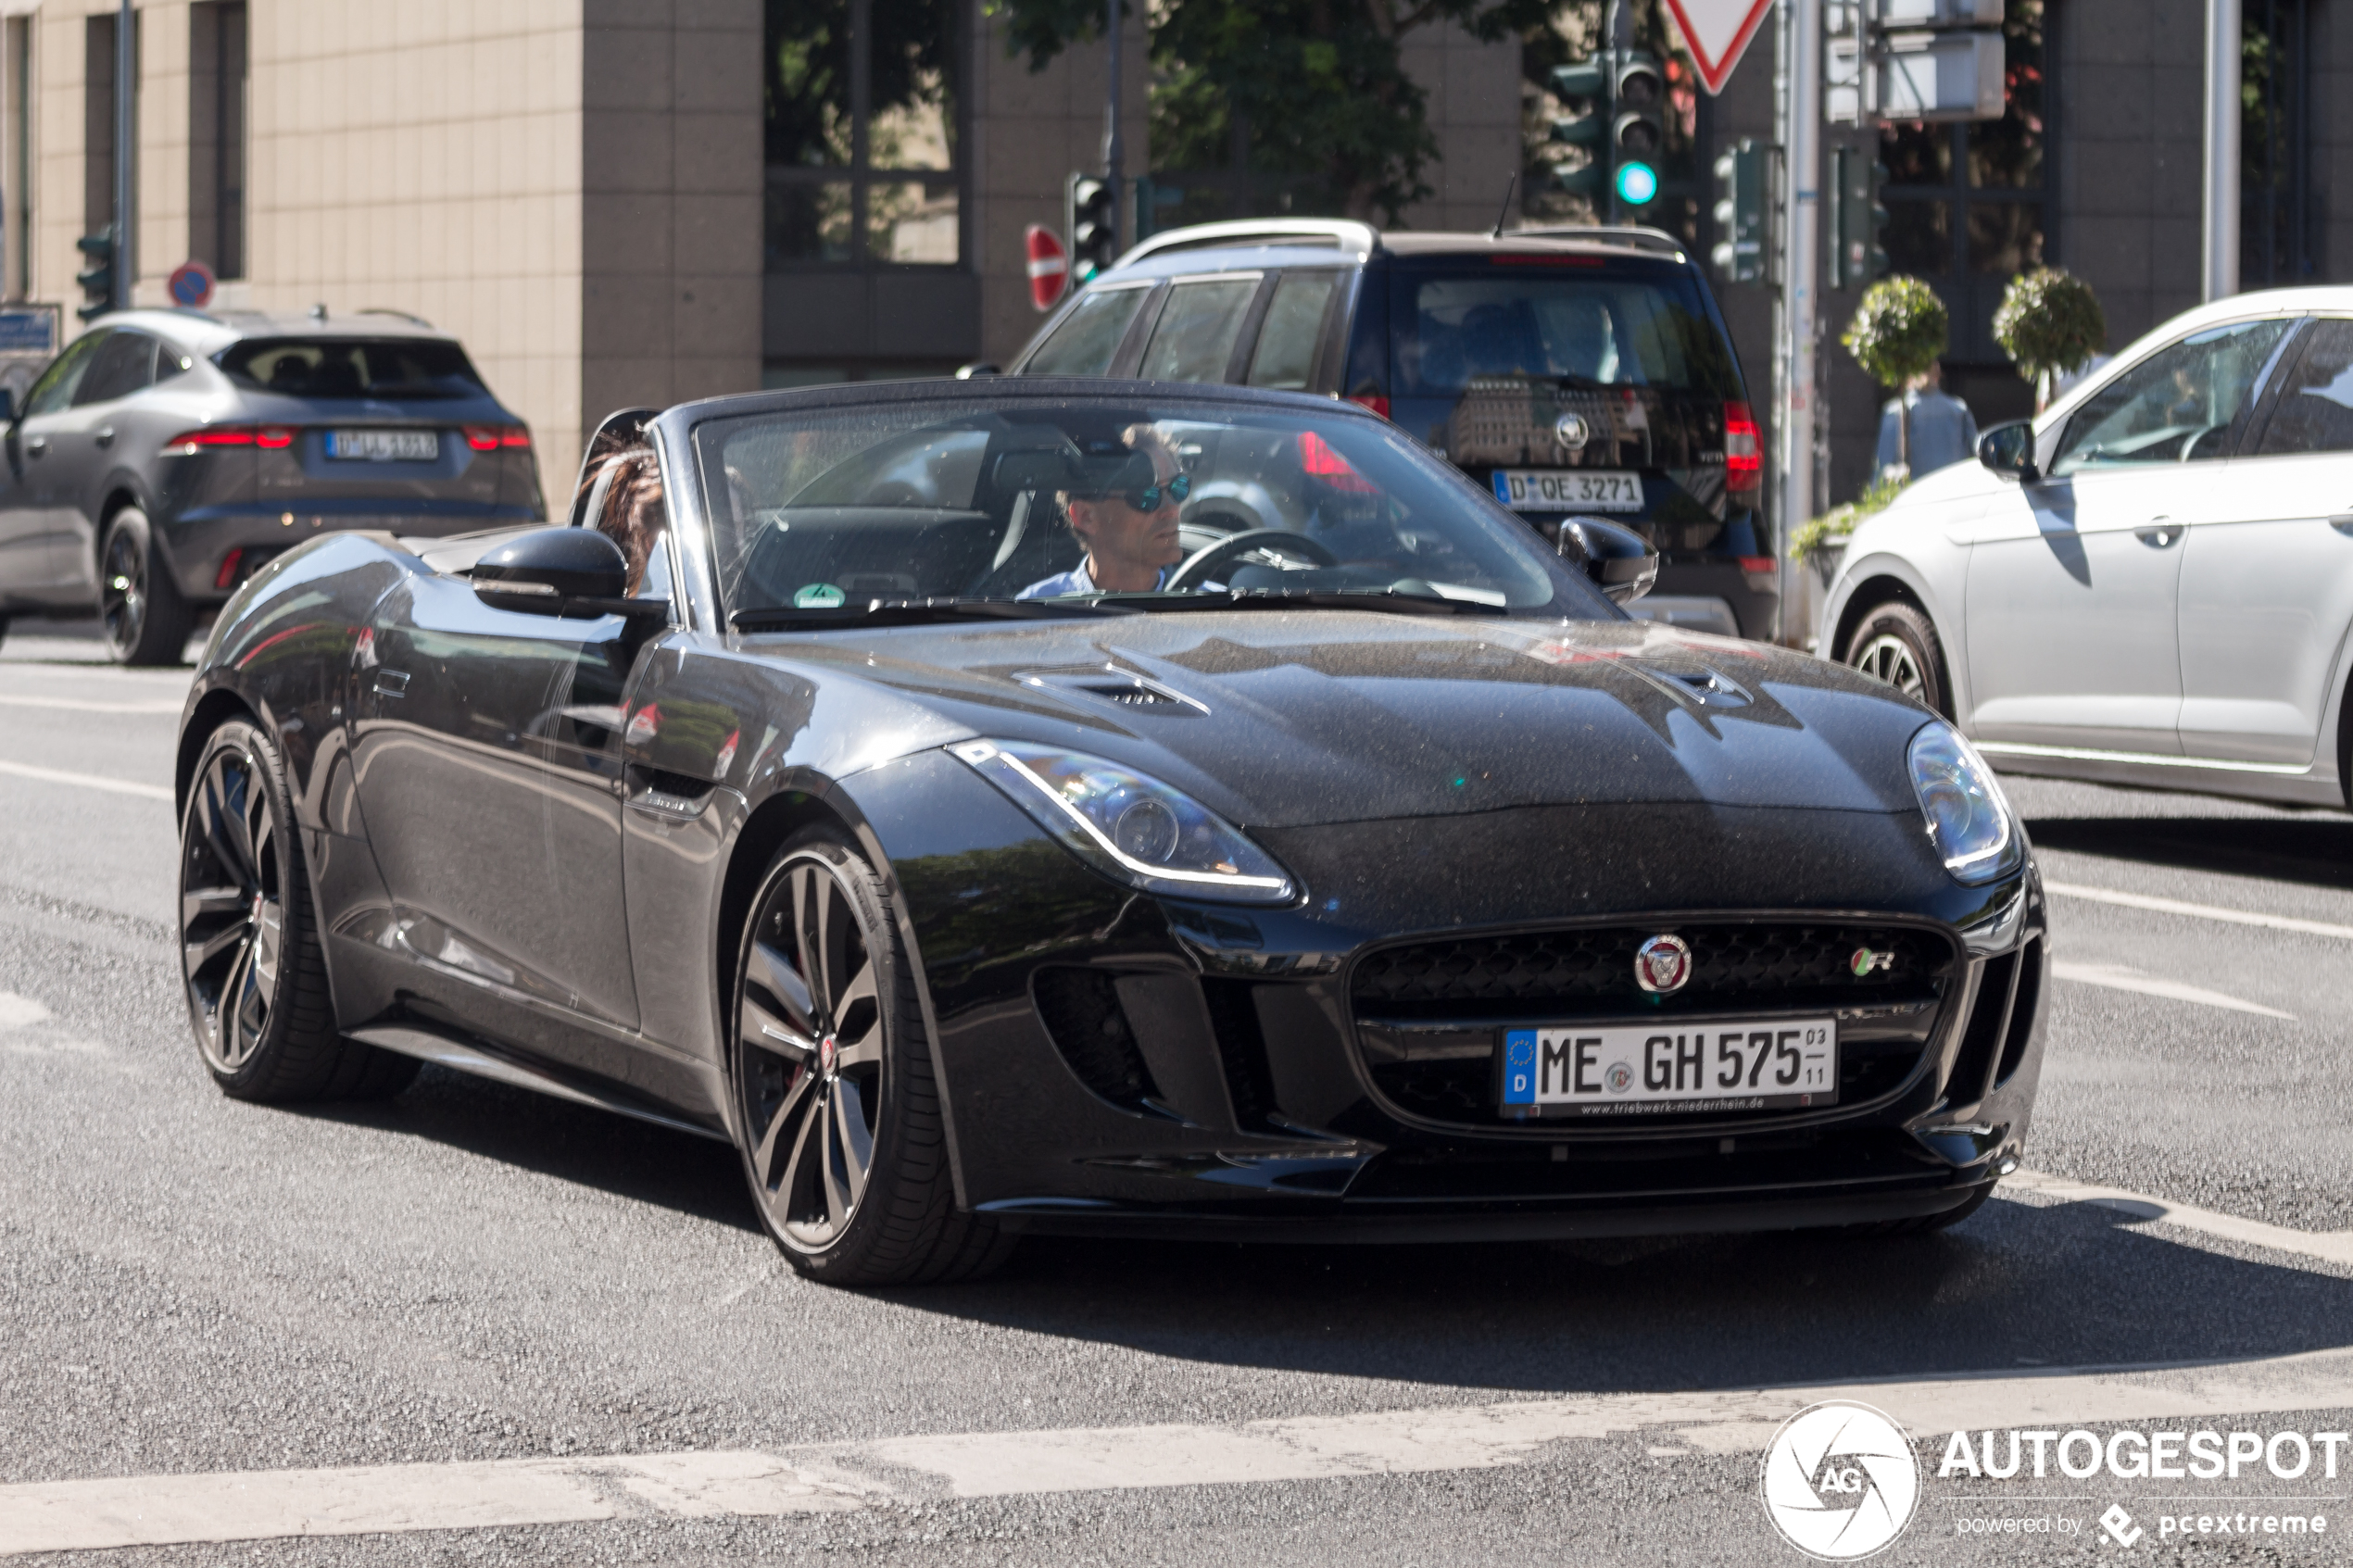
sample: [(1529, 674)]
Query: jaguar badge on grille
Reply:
[(1663, 964)]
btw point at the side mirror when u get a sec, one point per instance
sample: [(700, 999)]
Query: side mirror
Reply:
[(560, 572), (2009, 449), (1621, 562), (978, 370)]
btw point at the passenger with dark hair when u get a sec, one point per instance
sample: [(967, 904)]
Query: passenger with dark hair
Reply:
[(625, 505)]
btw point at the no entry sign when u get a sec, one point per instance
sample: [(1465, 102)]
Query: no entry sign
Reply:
[(1717, 32), (1049, 267)]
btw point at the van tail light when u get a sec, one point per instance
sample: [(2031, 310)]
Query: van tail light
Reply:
[(1760, 567), (1318, 461), (1376, 403), (489, 438), (1743, 451), (228, 573)]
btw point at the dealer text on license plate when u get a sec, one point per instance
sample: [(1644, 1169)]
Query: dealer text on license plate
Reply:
[(384, 446), (1569, 490), (1648, 1069)]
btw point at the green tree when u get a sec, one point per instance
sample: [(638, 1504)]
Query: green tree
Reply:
[(2049, 323), (1899, 331), (1311, 89)]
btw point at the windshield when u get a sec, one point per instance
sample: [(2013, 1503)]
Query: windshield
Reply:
[(396, 367), (1046, 505), (1545, 320)]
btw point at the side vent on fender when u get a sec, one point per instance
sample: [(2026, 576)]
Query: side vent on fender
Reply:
[(1081, 1011)]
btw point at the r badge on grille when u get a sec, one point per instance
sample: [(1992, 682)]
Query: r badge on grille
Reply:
[(1663, 964), (1865, 960)]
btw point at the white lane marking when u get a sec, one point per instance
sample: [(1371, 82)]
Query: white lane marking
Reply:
[(95, 1515), (2117, 977), (17, 1012), (2202, 911), (260, 1505), (86, 781), (2329, 1246), (76, 705)]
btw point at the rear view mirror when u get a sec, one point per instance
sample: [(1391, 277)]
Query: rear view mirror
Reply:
[(1621, 562), (2009, 449)]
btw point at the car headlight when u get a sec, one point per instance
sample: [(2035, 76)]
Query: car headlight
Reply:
[(1132, 828), (1968, 819)]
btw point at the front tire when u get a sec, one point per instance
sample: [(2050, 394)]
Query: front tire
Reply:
[(836, 1114), (146, 620), (1898, 644), (250, 959)]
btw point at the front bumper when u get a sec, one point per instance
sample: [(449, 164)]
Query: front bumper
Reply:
[(1259, 1113)]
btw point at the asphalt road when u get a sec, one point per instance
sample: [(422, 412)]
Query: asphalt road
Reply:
[(471, 1275)]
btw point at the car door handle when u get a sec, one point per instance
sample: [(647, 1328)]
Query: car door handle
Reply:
[(37, 447), (105, 435), (2161, 532)]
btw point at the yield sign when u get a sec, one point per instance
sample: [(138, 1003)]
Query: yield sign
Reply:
[(1717, 31)]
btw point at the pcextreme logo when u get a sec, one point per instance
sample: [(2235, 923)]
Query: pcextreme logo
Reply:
[(1841, 1481)]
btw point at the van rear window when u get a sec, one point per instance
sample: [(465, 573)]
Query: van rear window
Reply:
[(1450, 329), (341, 366)]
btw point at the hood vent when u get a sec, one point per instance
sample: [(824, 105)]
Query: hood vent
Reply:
[(1121, 688)]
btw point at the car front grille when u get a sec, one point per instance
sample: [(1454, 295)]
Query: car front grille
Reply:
[(1428, 1014)]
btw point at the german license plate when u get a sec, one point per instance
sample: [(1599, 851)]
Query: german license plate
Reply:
[(1569, 490), (1648, 1070), (384, 446)]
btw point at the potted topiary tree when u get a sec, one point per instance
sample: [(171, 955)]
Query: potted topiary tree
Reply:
[(1899, 331), (2049, 324)]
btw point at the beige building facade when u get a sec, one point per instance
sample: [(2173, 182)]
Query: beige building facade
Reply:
[(595, 196)]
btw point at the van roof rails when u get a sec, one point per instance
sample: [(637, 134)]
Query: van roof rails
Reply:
[(1334, 233), (1625, 233)]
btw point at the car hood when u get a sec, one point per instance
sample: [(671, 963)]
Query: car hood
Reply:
[(1288, 718)]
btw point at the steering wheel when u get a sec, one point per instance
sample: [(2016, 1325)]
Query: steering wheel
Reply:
[(1196, 568), (2189, 447)]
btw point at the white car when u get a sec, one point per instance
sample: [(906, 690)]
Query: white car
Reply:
[(2151, 583)]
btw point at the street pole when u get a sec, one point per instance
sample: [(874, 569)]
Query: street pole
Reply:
[(2219, 274), (1114, 150), (1801, 267), (126, 125)]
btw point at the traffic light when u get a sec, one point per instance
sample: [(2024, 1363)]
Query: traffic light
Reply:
[(97, 278), (1739, 253), (1638, 135), (1091, 212), (1856, 218), (1587, 80)]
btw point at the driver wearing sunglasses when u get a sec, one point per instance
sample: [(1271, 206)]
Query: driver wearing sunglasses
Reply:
[(1128, 521)]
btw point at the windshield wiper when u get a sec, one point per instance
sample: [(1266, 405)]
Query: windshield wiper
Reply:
[(1388, 601), (911, 613)]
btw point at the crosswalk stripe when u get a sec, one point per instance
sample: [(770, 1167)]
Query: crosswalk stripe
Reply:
[(2117, 977), (2202, 911), (86, 781)]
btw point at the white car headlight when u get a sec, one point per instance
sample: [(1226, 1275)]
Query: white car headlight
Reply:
[(1130, 827), (1968, 819)]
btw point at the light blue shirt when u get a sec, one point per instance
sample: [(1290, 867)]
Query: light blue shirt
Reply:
[(1943, 432), (1076, 581)]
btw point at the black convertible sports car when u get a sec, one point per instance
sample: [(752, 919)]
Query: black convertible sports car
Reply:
[(913, 785)]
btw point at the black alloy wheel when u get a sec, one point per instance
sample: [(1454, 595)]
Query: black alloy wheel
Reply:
[(146, 621), (836, 1112), (256, 979), (1896, 644)]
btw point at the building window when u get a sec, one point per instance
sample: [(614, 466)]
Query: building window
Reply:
[(2278, 239), (864, 135), (1969, 207), (217, 135)]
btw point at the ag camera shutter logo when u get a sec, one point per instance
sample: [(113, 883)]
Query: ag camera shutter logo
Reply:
[(1841, 1481)]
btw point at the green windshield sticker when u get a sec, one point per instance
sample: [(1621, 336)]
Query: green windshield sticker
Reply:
[(817, 596)]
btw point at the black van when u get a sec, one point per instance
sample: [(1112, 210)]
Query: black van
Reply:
[(1572, 370)]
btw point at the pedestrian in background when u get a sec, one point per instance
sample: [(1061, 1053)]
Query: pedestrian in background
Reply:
[(1944, 431)]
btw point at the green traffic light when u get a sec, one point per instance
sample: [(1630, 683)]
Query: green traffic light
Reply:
[(1637, 182)]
